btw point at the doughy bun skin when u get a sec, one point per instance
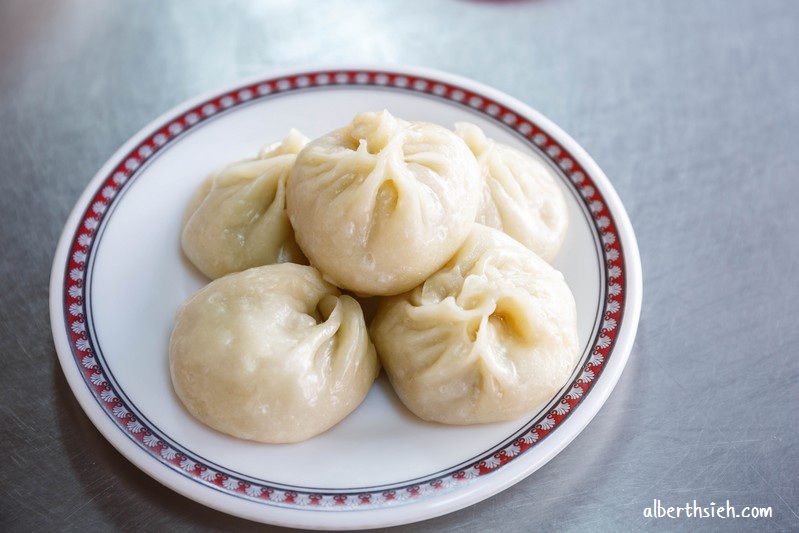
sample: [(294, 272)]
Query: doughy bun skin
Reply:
[(272, 354), (379, 205), (489, 337), (520, 196), (237, 218)]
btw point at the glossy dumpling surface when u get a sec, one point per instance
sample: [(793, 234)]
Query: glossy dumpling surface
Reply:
[(520, 195), (271, 354), (487, 338), (237, 218), (382, 203)]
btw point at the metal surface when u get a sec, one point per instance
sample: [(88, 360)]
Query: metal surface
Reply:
[(691, 109)]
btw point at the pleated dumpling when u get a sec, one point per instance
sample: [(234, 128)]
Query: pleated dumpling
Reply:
[(488, 337), (272, 354), (382, 203), (237, 218), (520, 196)]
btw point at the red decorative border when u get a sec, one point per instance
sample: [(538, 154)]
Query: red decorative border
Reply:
[(95, 376)]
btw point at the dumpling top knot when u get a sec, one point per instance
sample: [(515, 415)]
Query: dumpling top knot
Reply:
[(292, 144), (373, 131), (474, 138)]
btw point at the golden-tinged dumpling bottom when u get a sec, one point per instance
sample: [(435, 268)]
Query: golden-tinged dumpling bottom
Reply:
[(272, 354), (237, 218), (487, 338), (382, 203), (520, 196)]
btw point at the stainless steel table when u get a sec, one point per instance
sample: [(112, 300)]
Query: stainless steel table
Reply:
[(691, 108)]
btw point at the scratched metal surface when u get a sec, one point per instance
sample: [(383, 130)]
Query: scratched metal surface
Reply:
[(690, 107)]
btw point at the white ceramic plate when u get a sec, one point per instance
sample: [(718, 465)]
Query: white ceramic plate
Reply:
[(118, 277)]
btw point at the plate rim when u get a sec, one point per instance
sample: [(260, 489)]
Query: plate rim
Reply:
[(426, 508)]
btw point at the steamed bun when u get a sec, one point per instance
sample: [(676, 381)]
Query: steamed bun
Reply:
[(488, 337), (237, 218), (382, 203), (520, 196), (272, 354)]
